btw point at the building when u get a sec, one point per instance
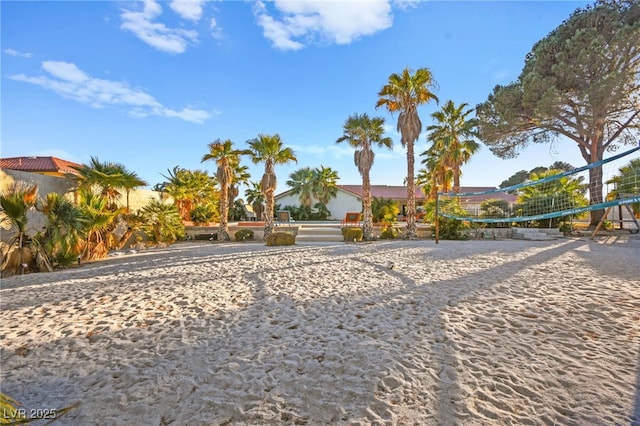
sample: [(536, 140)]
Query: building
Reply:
[(52, 174), (349, 198)]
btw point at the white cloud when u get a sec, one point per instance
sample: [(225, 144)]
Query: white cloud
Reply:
[(188, 9), (305, 22), (158, 35), (406, 4), (216, 31), (67, 80), (12, 52)]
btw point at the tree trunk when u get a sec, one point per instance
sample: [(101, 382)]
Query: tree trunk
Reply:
[(367, 220), (595, 182), (411, 231), (595, 194), (268, 214), (223, 229)]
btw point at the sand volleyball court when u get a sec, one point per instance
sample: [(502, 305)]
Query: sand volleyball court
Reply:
[(470, 333)]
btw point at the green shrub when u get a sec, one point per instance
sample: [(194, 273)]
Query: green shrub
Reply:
[(202, 214), (388, 232), (451, 229), (352, 234), (244, 234), (280, 239)]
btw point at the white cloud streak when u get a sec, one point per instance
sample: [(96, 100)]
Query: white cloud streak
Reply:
[(158, 35), (310, 22), (70, 82), (12, 52)]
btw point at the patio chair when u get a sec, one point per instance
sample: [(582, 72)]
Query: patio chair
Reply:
[(351, 219), (284, 217)]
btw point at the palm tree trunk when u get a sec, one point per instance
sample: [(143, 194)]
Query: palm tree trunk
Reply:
[(268, 214), (411, 231), (367, 221), (223, 227)]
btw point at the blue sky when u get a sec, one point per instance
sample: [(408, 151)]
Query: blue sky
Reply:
[(150, 84)]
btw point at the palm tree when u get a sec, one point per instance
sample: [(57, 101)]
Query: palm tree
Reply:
[(240, 175), (325, 184), (64, 229), (404, 93), (565, 193), (627, 183), (268, 149), (107, 177), (100, 220), (301, 183), (255, 197), (190, 188), (453, 138), (227, 158), (161, 222), (16, 202), (361, 132)]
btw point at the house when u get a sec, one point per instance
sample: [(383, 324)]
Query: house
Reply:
[(49, 166), (51, 174), (349, 198)]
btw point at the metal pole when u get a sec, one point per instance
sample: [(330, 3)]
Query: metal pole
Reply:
[(437, 219)]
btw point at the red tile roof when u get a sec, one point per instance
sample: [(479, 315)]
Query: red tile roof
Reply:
[(384, 191), (400, 192), (39, 165)]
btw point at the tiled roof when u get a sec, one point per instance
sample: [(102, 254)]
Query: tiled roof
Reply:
[(39, 164), (384, 191), (400, 192)]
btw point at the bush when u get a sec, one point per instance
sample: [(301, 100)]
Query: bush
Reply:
[(281, 239), (388, 232), (202, 214), (244, 234), (451, 229), (352, 234)]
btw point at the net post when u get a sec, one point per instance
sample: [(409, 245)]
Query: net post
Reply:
[(437, 219)]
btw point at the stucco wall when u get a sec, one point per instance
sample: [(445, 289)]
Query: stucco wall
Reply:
[(343, 203), (138, 198)]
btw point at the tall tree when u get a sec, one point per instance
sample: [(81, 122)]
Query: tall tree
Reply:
[(453, 138), (581, 82), (325, 186), (255, 197), (361, 132), (403, 93), (108, 178), (240, 175), (301, 183), (227, 158), (268, 149)]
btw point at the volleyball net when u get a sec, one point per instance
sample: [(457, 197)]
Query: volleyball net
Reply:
[(550, 196)]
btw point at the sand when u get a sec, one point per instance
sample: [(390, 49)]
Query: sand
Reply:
[(402, 332)]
